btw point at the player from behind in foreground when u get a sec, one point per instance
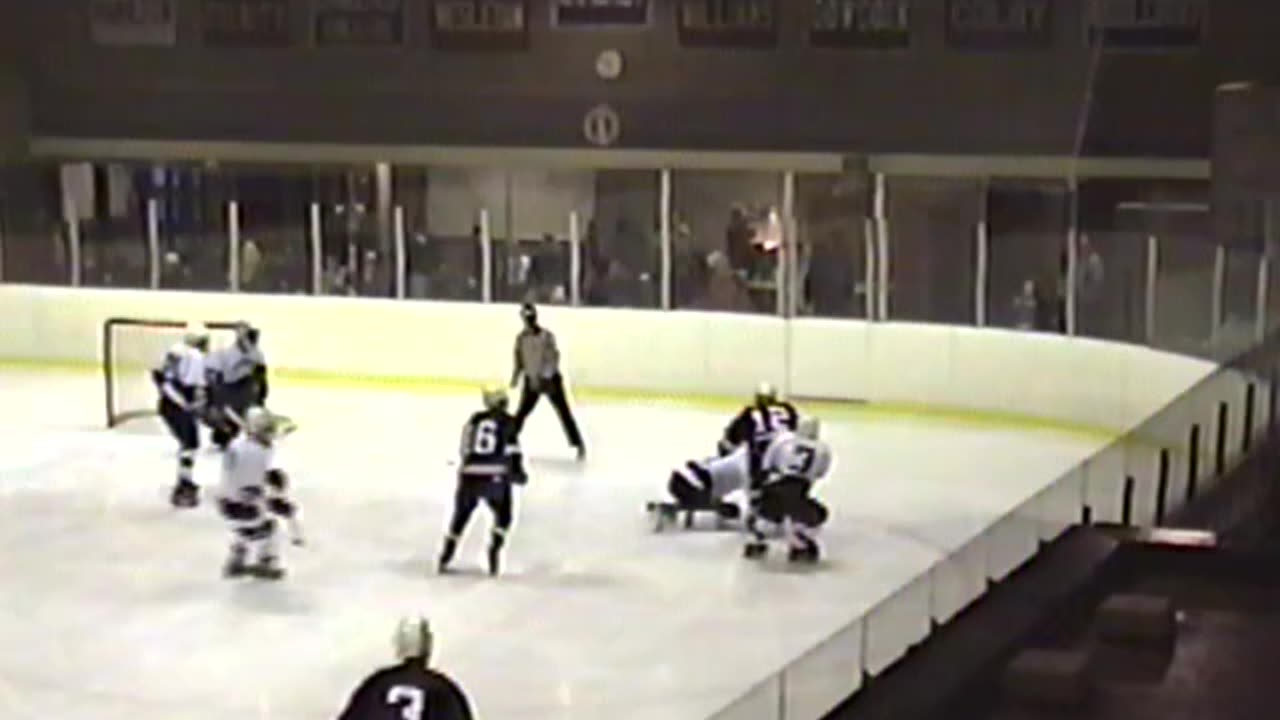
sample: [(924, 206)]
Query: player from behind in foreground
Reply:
[(252, 495), (409, 689), (490, 464), (756, 426), (702, 486), (791, 465), (237, 381), (181, 382)]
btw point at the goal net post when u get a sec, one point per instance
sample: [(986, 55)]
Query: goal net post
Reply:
[(131, 349)]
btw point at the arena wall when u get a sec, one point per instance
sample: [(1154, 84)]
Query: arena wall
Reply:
[(997, 374), (977, 373)]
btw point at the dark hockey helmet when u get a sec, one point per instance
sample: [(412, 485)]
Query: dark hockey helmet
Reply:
[(246, 333), (529, 313), (766, 393)]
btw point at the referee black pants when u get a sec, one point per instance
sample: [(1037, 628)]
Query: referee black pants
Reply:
[(553, 388)]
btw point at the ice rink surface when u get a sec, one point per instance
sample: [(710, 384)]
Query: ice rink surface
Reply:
[(113, 608)]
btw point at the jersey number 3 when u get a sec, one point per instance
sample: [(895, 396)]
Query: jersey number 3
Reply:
[(485, 441), (411, 701)]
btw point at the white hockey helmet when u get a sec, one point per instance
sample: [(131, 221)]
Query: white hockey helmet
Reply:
[(413, 639), (494, 397), (808, 427), (196, 335), (259, 423)]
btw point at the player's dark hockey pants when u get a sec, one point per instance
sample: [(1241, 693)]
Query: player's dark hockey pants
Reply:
[(496, 493), (553, 388), (238, 397), (182, 425), (788, 499), (688, 494)]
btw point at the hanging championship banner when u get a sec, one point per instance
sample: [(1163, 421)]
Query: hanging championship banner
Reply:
[(999, 24), (1148, 24), (133, 22), (600, 13), (861, 24), (246, 23), (369, 23)]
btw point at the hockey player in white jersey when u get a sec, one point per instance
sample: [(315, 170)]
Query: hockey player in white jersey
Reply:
[(181, 382), (704, 486), (237, 381), (792, 464), (253, 494)]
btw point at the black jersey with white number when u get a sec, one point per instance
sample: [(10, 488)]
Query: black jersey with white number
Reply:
[(490, 446), (407, 690), (757, 425)]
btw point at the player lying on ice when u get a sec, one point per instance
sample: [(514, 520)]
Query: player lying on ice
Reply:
[(779, 505), (704, 485)]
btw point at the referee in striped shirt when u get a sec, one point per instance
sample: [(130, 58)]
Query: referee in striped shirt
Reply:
[(537, 360)]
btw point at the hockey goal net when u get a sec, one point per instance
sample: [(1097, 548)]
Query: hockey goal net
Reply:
[(131, 348)]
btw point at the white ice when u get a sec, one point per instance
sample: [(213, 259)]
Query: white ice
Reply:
[(112, 607)]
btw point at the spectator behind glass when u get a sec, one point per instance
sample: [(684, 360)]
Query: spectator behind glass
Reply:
[(724, 290)]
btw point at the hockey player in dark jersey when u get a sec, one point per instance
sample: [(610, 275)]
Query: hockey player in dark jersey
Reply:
[(237, 381), (408, 689), (757, 425), (490, 464)]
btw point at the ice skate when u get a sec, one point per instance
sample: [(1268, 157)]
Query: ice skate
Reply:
[(235, 566), (446, 555), (185, 495), (494, 559), (267, 569)]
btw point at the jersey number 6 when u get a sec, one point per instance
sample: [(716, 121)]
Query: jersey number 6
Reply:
[(485, 441), (411, 701)]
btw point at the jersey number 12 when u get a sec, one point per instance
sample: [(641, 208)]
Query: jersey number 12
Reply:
[(411, 701)]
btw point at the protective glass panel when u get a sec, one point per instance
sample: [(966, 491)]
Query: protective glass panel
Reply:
[(1027, 229), (833, 239), (726, 239), (932, 229)]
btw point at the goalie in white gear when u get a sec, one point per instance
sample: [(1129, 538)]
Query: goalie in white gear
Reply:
[(252, 495), (792, 464), (180, 380)]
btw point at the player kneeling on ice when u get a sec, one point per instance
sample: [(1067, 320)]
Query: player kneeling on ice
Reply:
[(237, 381), (703, 486), (791, 465), (491, 464), (252, 495)]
